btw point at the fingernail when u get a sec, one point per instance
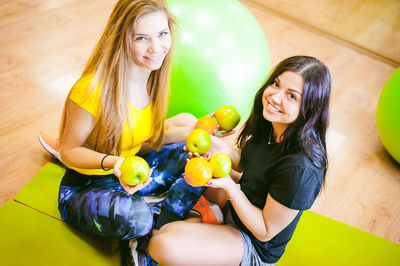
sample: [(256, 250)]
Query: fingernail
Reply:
[(209, 183)]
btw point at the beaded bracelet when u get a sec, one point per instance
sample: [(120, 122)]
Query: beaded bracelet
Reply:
[(101, 164)]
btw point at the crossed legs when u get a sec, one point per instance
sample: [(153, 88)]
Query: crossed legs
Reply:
[(187, 243)]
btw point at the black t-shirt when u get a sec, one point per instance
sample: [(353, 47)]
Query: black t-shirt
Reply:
[(289, 177)]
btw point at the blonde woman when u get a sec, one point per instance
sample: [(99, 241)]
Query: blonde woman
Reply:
[(117, 105)]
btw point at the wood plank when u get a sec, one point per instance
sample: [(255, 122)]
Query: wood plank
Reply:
[(42, 57), (371, 25)]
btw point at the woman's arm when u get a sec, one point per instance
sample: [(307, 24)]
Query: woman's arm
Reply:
[(264, 224), (78, 126)]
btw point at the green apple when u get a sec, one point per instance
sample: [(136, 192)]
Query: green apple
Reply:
[(227, 117), (220, 164), (198, 141), (134, 170)]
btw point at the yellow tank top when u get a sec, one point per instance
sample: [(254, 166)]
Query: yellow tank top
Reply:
[(141, 122)]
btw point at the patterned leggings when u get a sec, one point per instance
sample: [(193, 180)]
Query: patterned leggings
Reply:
[(100, 206)]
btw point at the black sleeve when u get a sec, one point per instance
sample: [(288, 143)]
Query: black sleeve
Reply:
[(296, 187)]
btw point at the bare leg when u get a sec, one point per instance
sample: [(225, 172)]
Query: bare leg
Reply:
[(182, 120), (184, 243), (216, 195), (178, 127)]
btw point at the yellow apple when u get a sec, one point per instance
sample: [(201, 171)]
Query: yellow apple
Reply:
[(198, 141), (227, 117), (134, 170), (220, 164)]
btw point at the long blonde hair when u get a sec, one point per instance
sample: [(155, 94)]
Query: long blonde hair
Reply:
[(109, 62)]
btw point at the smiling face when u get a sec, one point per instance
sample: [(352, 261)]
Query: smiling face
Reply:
[(151, 40), (282, 100)]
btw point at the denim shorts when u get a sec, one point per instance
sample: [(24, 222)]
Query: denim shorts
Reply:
[(250, 255)]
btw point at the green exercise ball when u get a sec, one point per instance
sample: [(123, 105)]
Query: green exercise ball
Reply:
[(221, 57), (388, 115)]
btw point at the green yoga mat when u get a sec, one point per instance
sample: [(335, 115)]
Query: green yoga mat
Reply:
[(29, 237), (319, 240), (41, 193)]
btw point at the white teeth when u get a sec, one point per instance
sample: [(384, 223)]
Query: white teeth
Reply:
[(273, 108)]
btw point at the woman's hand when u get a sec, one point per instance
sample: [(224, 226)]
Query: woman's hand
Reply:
[(217, 146), (219, 132), (191, 155), (227, 184), (117, 165), (222, 182), (129, 189)]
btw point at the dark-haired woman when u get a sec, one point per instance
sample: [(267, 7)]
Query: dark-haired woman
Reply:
[(283, 161)]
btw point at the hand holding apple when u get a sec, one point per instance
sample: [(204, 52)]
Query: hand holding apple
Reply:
[(198, 141), (220, 164), (227, 117), (198, 172), (208, 124), (134, 171)]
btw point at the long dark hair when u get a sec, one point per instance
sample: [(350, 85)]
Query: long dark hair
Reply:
[(307, 133)]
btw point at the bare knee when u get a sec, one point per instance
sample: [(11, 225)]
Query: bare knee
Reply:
[(182, 119), (162, 247), (186, 116), (157, 247)]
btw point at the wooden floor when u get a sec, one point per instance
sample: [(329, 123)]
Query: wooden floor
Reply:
[(45, 44), (371, 25)]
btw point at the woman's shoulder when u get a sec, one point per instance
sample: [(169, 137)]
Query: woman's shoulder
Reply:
[(297, 181), (85, 95), (84, 82), (84, 87), (299, 160)]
